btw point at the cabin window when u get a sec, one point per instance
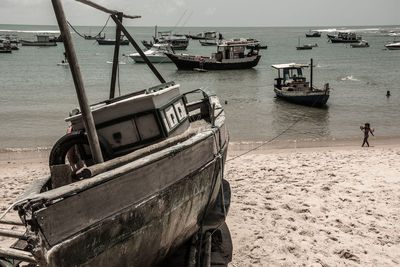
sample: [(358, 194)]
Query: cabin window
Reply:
[(147, 126), (127, 133), (180, 110), (171, 117)]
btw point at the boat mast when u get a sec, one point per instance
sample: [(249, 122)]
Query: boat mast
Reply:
[(116, 57), (87, 116), (311, 74)]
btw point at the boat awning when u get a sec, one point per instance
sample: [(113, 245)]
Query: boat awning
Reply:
[(289, 66)]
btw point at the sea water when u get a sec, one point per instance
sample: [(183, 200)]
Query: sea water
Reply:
[(36, 94)]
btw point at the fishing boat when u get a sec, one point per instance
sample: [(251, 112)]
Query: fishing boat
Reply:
[(393, 46), (208, 42), (292, 86), (204, 35), (176, 41), (306, 46), (360, 44), (5, 47), (344, 37), (313, 34), (137, 181), (41, 40), (156, 54), (231, 54), (95, 37), (112, 41)]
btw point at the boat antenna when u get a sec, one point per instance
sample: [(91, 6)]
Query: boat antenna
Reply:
[(87, 115)]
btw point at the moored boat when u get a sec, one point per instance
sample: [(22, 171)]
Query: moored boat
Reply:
[(112, 41), (393, 46), (136, 177), (313, 34), (156, 54), (208, 42), (41, 40), (292, 86), (360, 44), (344, 37), (231, 54)]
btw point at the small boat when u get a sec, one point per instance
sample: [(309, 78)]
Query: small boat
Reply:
[(41, 40), (292, 86), (305, 47), (94, 37), (313, 34), (208, 42), (6, 47), (231, 54), (204, 35), (64, 62), (112, 41), (138, 180), (393, 46), (176, 41), (360, 44), (344, 37), (156, 54), (146, 44), (255, 44)]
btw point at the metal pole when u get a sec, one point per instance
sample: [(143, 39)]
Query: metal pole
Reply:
[(87, 116), (137, 47), (116, 56), (311, 74)]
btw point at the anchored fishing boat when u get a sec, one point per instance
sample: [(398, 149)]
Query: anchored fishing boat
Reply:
[(313, 34), (41, 40), (137, 181), (231, 54), (156, 54), (344, 37), (293, 86), (360, 44)]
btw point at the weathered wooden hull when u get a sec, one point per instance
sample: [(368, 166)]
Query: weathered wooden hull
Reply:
[(134, 215), (313, 99), (187, 63)]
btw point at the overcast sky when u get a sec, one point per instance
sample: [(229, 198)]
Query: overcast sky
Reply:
[(212, 12)]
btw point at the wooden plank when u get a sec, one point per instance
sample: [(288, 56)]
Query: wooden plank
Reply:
[(11, 233), (78, 81), (11, 222), (106, 10), (128, 187), (17, 254)]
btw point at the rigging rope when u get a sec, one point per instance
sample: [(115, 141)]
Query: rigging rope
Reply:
[(83, 36)]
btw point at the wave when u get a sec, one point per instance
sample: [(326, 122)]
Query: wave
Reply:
[(349, 78)]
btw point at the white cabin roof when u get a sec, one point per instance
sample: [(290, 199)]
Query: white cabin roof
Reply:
[(289, 66)]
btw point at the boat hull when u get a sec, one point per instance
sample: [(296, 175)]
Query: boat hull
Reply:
[(29, 43), (153, 59), (310, 99), (190, 63), (392, 47), (111, 42)]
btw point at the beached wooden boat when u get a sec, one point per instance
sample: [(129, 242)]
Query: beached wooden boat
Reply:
[(231, 54), (293, 86), (138, 181)]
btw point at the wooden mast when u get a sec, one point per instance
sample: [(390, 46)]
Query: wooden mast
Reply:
[(116, 56), (311, 74), (87, 116)]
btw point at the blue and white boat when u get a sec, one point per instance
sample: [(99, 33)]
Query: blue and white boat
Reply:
[(292, 86)]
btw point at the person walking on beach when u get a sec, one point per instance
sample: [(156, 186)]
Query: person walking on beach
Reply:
[(366, 128)]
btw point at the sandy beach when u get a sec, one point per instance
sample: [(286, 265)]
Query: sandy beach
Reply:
[(292, 205)]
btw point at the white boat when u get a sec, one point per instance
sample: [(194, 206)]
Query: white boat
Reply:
[(360, 44), (393, 46), (155, 54)]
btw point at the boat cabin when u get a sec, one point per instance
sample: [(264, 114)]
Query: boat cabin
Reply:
[(132, 121), (290, 74), (235, 48), (42, 38)]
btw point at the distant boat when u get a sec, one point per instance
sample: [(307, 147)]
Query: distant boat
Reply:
[(360, 44), (155, 54), (231, 54), (208, 42), (313, 34), (393, 46), (344, 37), (111, 42), (305, 47), (204, 35), (292, 86), (41, 40), (255, 44), (95, 37)]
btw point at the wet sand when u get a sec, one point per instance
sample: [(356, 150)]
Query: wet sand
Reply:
[(325, 204)]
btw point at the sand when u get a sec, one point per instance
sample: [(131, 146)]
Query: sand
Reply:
[(318, 206)]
